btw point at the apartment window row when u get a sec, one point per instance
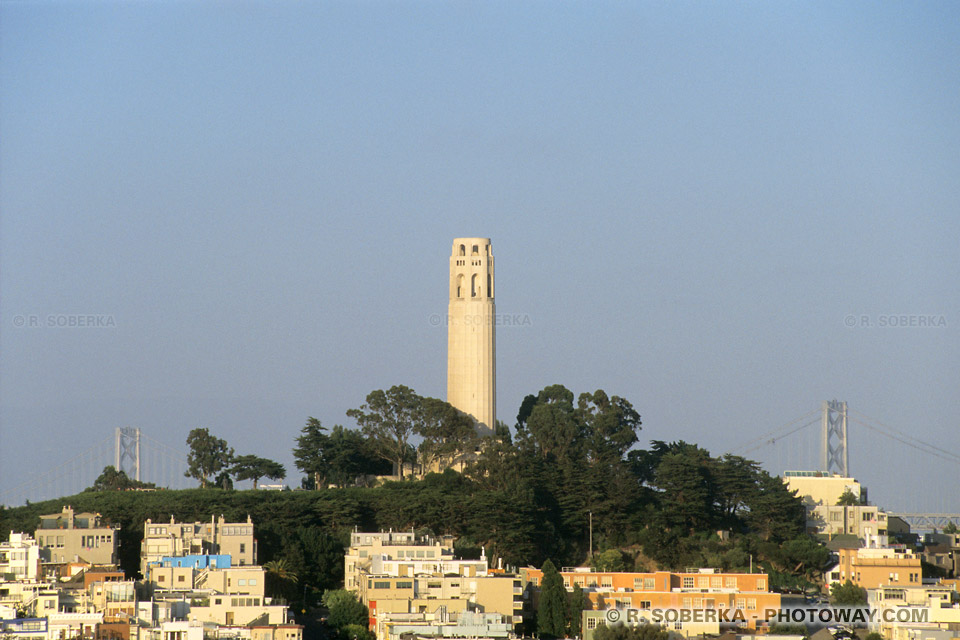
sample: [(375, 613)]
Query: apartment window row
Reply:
[(649, 584), (244, 602), (416, 553), (93, 541), (237, 531)]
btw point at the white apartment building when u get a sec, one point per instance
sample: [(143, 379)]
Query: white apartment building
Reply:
[(19, 558)]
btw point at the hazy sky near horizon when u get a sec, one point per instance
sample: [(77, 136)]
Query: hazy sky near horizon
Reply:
[(706, 208)]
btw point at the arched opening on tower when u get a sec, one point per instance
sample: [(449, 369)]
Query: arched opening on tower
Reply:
[(474, 290), (489, 286), (460, 286), (463, 250), (476, 250)]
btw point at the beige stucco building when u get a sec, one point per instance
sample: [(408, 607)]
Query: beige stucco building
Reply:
[(401, 553), (877, 565), (820, 493), (817, 488), (67, 536), (177, 539), (471, 332)]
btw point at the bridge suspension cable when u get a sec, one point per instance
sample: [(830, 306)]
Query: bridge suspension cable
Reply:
[(776, 434), (910, 441), (47, 478)]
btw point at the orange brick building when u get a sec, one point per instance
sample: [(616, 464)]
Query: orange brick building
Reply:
[(703, 589)]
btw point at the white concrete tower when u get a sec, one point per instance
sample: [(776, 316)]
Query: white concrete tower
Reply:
[(471, 340)]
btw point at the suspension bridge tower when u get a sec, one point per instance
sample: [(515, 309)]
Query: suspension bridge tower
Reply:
[(127, 452), (833, 438)]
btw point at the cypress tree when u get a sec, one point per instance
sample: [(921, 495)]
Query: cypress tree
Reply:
[(552, 612)]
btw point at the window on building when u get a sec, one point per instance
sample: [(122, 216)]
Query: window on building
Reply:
[(381, 585), (752, 604), (637, 583), (716, 582), (703, 582), (644, 604), (741, 603), (761, 584), (688, 582), (649, 584), (606, 581), (243, 547), (731, 582), (406, 584), (591, 623)]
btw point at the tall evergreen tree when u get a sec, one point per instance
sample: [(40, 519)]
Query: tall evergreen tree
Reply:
[(578, 604), (552, 611)]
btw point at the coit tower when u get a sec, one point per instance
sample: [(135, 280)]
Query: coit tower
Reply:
[(471, 340)]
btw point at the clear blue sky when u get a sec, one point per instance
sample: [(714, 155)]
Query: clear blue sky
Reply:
[(686, 201)]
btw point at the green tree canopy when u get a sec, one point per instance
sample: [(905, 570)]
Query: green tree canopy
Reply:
[(349, 456), (388, 418), (848, 594), (447, 432), (847, 499), (345, 609), (207, 457), (552, 609), (310, 453), (112, 480), (252, 467), (610, 560), (578, 604)]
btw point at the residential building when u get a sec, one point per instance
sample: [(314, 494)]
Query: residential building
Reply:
[(276, 632), (401, 553), (67, 537), (592, 620), (442, 623), (246, 581), (876, 565), (425, 594), (820, 493), (19, 558), (818, 488), (937, 602), (217, 537), (705, 589)]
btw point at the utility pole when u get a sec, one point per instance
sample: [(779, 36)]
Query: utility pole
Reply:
[(591, 537)]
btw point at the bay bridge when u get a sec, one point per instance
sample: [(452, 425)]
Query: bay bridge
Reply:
[(127, 449), (906, 476), (915, 480)]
